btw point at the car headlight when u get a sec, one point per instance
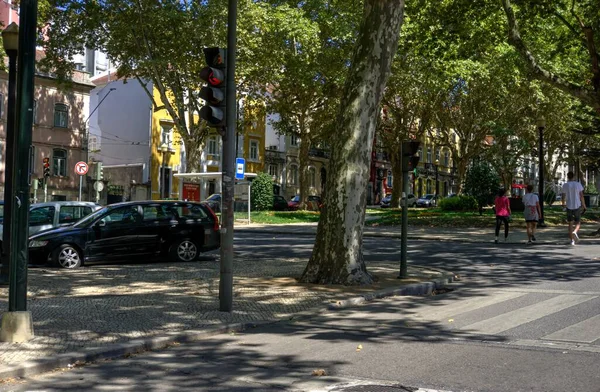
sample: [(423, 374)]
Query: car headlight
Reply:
[(37, 244)]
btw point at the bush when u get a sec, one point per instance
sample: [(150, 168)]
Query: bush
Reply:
[(261, 192), (590, 189), (459, 203), (481, 182)]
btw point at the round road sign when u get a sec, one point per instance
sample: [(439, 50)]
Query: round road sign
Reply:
[(81, 168), (98, 186)]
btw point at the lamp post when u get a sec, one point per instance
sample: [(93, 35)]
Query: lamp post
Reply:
[(541, 124), (437, 184), (164, 149), (10, 41)]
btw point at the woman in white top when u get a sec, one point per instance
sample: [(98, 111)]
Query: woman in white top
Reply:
[(532, 212)]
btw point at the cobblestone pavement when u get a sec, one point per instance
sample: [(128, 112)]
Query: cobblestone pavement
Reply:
[(106, 304)]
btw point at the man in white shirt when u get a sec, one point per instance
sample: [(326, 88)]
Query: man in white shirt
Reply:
[(572, 199)]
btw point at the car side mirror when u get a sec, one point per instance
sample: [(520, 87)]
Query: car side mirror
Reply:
[(100, 223)]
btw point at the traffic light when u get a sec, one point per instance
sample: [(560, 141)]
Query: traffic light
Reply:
[(99, 171), (46, 167), (410, 157), (214, 74)]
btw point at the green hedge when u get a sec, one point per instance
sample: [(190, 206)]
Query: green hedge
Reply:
[(262, 192), (459, 203)]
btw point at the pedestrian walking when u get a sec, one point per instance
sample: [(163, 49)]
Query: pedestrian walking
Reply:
[(573, 201), (502, 208), (532, 212)]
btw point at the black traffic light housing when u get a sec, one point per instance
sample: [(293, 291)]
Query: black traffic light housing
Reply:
[(46, 162), (215, 75), (410, 157)]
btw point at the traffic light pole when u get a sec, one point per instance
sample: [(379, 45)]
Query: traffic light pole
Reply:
[(226, 272), (17, 325)]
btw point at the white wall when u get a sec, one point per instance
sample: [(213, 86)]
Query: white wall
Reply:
[(122, 124), (272, 137)]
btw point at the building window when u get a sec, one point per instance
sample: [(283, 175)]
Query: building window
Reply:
[(293, 140), (294, 175), (166, 135), (1, 105), (437, 155), (93, 143), (59, 162), (61, 115), (428, 155), (254, 150), (447, 159), (390, 179), (272, 170), (213, 146), (35, 111), (312, 177)]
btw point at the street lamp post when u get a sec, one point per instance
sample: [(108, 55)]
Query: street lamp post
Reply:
[(541, 124), (437, 184), (164, 149), (10, 40), (17, 325)]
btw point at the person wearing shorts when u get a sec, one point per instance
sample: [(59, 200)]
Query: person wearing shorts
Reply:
[(573, 201), (532, 213)]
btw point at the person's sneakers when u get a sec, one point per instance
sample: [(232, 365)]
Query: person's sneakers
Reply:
[(572, 242), (529, 242), (533, 238), (576, 236)]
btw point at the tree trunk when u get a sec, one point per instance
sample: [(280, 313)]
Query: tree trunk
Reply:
[(337, 256), (304, 160)]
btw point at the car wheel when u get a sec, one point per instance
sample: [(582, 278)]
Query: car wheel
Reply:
[(184, 250), (66, 256)]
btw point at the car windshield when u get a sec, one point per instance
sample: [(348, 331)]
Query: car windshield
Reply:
[(90, 218), (296, 198), (428, 197), (214, 196)]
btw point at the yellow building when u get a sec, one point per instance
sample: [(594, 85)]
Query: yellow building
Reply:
[(165, 154)]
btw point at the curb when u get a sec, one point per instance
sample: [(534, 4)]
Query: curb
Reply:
[(397, 235), (424, 288), (78, 358)]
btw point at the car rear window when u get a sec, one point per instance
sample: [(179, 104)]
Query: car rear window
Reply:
[(71, 214), (158, 212), (191, 211)]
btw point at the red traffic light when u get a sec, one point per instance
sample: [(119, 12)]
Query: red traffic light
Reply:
[(212, 76)]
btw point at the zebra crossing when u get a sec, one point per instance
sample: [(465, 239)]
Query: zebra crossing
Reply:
[(527, 317)]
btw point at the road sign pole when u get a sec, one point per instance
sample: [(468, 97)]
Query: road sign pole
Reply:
[(80, 186)]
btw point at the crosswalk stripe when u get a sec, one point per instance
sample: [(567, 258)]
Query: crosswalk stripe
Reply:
[(526, 314), (586, 331), (440, 312)]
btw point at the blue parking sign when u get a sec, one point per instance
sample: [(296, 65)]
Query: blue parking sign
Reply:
[(240, 168)]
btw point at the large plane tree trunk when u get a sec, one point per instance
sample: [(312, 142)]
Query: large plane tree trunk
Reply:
[(337, 256)]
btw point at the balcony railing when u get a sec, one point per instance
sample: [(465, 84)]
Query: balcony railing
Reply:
[(272, 156), (318, 153)]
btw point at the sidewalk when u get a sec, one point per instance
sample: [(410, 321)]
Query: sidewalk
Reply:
[(111, 310), (556, 235)]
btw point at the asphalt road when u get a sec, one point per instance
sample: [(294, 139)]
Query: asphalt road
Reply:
[(520, 319)]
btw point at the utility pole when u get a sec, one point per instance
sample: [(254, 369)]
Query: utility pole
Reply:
[(17, 325), (410, 160), (229, 154)]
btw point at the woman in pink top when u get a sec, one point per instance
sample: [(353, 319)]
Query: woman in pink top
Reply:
[(502, 206)]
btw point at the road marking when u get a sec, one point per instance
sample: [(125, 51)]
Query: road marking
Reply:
[(440, 312), (526, 314), (586, 331)]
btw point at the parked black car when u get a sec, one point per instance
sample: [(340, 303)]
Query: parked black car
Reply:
[(178, 229), (279, 203)]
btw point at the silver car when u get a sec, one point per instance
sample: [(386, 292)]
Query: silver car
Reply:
[(44, 216)]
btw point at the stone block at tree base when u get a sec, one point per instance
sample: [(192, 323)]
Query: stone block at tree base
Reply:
[(16, 327)]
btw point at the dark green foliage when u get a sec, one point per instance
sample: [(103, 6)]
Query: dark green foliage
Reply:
[(459, 203), (482, 182), (261, 192)]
